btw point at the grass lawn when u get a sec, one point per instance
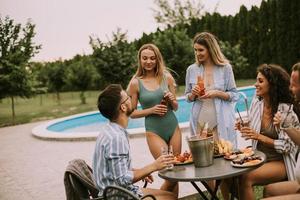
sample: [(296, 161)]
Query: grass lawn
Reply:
[(258, 190), (45, 106)]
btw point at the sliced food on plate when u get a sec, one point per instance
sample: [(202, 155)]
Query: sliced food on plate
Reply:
[(247, 161), (184, 158), (239, 154)]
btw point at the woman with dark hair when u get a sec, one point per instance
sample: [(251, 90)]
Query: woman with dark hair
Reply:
[(272, 95)]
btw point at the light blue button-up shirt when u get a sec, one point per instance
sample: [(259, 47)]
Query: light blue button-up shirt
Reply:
[(112, 161), (223, 81)]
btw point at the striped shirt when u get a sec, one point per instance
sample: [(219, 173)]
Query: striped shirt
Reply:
[(283, 144), (111, 159)]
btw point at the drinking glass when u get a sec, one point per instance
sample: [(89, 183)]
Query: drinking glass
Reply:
[(285, 116), (246, 121), (168, 151)]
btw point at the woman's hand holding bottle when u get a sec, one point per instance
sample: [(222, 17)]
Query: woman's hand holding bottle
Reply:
[(159, 109), (169, 96)]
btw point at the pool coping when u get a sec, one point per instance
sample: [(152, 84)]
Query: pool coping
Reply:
[(43, 133)]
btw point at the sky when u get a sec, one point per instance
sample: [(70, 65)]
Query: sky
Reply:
[(63, 27)]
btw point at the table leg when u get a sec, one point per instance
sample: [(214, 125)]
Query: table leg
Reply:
[(199, 190), (234, 187), (212, 193), (218, 182)]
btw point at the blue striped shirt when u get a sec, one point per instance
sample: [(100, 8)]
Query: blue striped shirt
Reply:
[(112, 161)]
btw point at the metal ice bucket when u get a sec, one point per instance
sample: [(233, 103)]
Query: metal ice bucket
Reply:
[(202, 150)]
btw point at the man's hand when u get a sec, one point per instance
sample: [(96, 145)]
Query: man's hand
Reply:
[(163, 161), (149, 178)]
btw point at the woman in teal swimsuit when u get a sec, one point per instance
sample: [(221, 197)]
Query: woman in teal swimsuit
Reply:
[(150, 84)]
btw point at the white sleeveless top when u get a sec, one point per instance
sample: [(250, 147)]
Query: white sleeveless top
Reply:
[(208, 111)]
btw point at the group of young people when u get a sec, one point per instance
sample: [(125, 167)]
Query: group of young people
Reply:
[(154, 87)]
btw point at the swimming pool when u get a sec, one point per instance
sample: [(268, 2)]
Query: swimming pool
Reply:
[(88, 124)]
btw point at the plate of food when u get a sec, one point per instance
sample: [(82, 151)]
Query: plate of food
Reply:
[(221, 147), (248, 161), (183, 159), (239, 154)]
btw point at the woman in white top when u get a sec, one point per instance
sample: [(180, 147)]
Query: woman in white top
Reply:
[(216, 106)]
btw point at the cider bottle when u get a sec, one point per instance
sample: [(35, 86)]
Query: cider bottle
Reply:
[(200, 83), (164, 100), (205, 130)]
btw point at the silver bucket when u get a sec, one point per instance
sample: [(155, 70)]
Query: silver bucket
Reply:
[(202, 150)]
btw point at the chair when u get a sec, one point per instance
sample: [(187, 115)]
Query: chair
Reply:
[(114, 192), (81, 190)]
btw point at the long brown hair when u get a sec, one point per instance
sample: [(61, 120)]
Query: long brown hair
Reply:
[(160, 65), (279, 82), (210, 42)]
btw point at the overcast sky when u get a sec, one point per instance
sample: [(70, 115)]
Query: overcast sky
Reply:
[(63, 26)]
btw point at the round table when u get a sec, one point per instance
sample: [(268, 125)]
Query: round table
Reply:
[(220, 169)]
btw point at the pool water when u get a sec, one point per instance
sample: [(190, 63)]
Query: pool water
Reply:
[(93, 121)]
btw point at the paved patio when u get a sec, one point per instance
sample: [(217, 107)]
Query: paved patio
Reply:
[(33, 169)]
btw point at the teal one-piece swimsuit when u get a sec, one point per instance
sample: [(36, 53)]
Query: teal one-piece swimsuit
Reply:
[(165, 125)]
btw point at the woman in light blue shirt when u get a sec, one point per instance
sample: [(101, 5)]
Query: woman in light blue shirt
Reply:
[(216, 106)]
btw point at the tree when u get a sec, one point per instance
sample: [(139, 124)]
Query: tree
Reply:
[(176, 48), (180, 13), (239, 63), (57, 77), (16, 49), (253, 40), (40, 79), (80, 75), (264, 30), (283, 23), (115, 61)]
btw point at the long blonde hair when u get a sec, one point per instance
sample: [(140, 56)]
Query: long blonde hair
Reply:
[(210, 42), (160, 65)]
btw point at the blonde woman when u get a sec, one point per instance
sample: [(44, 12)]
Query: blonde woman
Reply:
[(216, 106), (150, 85)]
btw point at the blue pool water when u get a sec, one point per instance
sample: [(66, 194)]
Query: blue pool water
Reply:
[(92, 122)]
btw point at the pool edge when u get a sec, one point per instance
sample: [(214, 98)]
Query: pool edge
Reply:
[(41, 131)]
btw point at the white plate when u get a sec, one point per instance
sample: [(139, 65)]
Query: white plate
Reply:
[(248, 164), (184, 163)]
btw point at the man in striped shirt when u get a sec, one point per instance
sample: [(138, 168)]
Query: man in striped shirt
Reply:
[(289, 189), (111, 160)]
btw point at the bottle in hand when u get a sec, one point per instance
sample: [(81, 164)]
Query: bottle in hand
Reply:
[(164, 100), (200, 83)]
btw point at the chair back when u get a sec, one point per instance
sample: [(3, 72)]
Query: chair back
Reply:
[(80, 189), (114, 192)]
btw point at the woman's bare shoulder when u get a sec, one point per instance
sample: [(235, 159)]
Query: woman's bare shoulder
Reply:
[(134, 83), (169, 76)]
